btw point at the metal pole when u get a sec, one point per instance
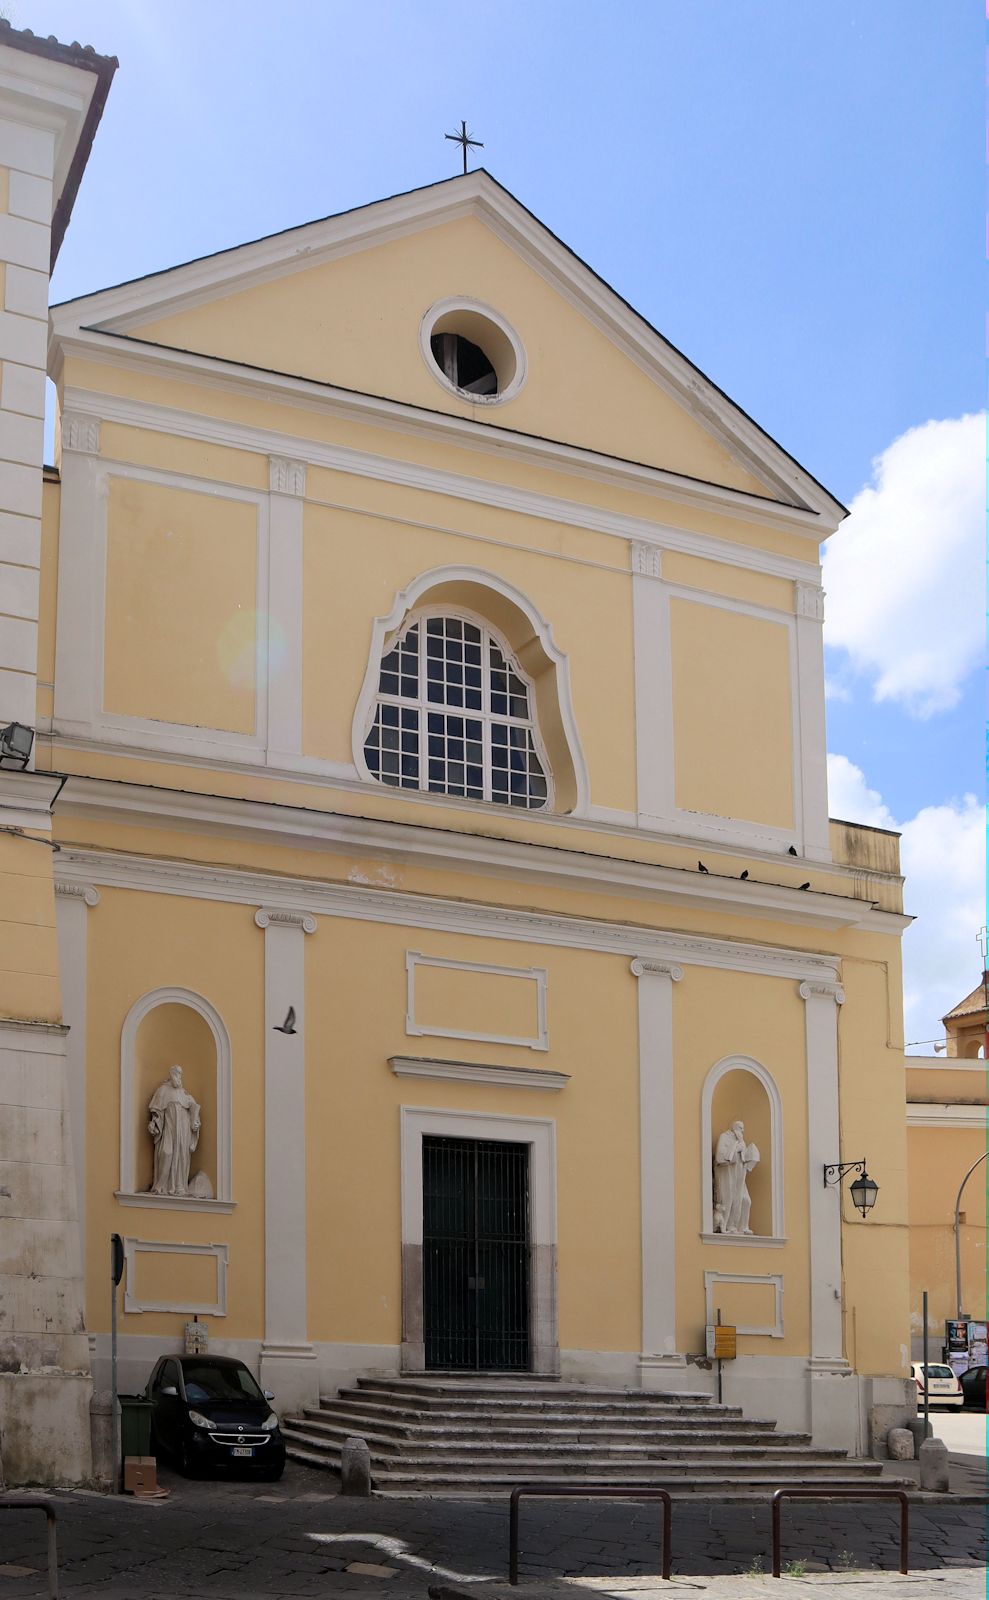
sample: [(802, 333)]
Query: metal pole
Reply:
[(958, 1235), (925, 1378), (720, 1398), (114, 1415)]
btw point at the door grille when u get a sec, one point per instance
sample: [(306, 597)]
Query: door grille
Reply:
[(475, 1254)]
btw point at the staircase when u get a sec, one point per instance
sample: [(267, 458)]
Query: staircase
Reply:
[(452, 1434)]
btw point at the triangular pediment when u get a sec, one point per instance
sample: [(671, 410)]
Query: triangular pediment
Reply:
[(342, 302)]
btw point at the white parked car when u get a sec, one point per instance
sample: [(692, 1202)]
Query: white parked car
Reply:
[(943, 1388)]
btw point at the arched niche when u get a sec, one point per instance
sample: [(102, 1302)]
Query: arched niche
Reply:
[(737, 1088), (509, 612), (166, 1027)]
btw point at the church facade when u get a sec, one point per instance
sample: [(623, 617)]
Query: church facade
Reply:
[(433, 657)]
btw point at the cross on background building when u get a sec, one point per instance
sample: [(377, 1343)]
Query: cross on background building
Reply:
[(465, 141)]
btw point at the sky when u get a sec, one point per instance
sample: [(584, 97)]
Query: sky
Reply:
[(792, 193)]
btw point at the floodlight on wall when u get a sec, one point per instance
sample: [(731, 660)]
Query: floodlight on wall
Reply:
[(16, 743), (863, 1191)]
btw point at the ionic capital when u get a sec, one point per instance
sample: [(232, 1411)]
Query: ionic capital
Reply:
[(826, 991), (78, 891), (645, 967), (266, 915)]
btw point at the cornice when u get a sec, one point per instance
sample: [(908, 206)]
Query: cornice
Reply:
[(476, 853), (26, 799), (495, 1074), (484, 438), (299, 897)]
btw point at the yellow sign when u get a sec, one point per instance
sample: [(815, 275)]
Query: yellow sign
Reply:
[(722, 1342)]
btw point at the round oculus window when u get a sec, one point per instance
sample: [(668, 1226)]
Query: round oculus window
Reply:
[(472, 351)]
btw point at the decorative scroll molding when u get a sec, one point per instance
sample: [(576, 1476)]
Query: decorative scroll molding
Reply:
[(643, 967), (290, 919), (478, 1072), (810, 600), (647, 559), (80, 432), (286, 476), (78, 891), (829, 991)]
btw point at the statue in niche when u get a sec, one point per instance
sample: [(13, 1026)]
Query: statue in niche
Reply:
[(175, 1126), (733, 1161)]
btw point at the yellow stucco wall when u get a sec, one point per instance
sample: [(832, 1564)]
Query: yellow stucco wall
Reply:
[(939, 1159), (29, 984), (181, 606), (732, 714)]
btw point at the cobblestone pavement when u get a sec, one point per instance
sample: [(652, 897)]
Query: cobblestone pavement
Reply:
[(239, 1540)]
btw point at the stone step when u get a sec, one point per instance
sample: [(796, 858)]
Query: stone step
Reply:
[(531, 1391), (472, 1405), (395, 1418), (398, 1434), (537, 1459), (655, 1443)]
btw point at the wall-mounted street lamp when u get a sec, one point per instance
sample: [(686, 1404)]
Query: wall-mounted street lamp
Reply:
[(863, 1191), (15, 745)]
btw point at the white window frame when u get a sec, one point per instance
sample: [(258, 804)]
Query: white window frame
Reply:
[(418, 618)]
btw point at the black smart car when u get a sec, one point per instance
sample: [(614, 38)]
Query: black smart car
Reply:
[(208, 1412)]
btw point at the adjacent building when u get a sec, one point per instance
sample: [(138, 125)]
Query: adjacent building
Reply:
[(947, 1112)]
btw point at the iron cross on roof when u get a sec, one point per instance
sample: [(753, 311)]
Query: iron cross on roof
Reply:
[(465, 141)]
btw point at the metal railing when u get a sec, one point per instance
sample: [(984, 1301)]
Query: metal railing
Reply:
[(31, 1502), (585, 1491), (843, 1494)]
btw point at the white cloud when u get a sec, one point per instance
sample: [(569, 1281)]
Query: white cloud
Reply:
[(904, 571), (942, 857)]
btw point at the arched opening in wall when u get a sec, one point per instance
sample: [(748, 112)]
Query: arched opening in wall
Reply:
[(975, 1051), (175, 1035), (741, 1151), (170, 1028), (422, 721)]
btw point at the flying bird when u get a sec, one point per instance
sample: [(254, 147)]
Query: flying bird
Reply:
[(792, 850), (701, 867), (805, 886), (744, 874), (288, 1026)]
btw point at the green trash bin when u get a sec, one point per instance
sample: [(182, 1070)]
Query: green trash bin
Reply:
[(135, 1425)]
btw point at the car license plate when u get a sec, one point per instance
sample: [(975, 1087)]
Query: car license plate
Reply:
[(242, 1450)]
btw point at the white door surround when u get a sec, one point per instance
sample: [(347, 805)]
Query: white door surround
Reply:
[(539, 1133)]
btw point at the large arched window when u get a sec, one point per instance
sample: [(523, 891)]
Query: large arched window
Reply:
[(454, 715)]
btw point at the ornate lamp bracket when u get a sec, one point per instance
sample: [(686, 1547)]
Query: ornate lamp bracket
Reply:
[(834, 1171)]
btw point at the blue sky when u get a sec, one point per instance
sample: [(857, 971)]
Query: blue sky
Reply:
[(792, 193)]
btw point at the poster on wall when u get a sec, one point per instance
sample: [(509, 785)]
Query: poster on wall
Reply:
[(978, 1344)]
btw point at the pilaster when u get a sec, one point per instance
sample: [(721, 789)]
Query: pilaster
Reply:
[(82, 525), (288, 1360), (833, 1394), (73, 902), (809, 598), (657, 1170), (287, 487), (653, 684)]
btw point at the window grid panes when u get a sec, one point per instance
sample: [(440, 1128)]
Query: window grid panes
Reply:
[(453, 716)]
